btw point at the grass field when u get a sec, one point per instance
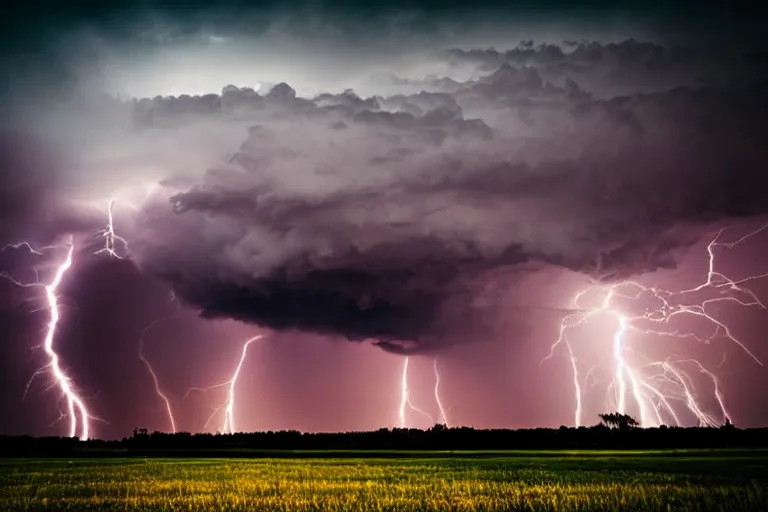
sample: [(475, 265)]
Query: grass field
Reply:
[(727, 481)]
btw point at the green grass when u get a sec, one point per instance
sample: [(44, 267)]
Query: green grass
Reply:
[(680, 481)]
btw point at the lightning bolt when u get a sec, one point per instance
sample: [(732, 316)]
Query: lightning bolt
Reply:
[(228, 421), (405, 398), (79, 417), (654, 387), (155, 380), (443, 415), (77, 411), (75, 403), (108, 234)]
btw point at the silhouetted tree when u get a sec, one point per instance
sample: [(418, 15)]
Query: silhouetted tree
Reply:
[(618, 420)]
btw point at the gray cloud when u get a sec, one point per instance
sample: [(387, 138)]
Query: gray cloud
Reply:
[(382, 218), (382, 191), (615, 68)]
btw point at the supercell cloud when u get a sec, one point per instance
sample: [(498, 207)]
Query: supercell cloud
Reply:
[(383, 209), (377, 217)]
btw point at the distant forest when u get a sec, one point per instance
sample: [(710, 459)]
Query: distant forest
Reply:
[(271, 444)]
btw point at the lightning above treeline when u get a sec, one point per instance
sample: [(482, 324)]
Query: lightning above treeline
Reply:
[(436, 198), (227, 409), (407, 404), (76, 410), (657, 389)]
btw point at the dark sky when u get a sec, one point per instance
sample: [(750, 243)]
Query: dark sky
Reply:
[(362, 184)]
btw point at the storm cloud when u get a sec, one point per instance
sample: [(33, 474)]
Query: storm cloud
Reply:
[(384, 184), (384, 217)]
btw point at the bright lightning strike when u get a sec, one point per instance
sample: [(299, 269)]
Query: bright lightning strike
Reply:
[(228, 422), (405, 398), (75, 403), (654, 387), (110, 237), (79, 417)]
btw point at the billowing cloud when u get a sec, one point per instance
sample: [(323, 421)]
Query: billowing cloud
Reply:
[(382, 217), (377, 186)]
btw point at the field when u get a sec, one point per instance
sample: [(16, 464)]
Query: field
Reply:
[(680, 481)]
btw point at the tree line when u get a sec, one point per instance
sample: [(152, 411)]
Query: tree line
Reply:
[(614, 433)]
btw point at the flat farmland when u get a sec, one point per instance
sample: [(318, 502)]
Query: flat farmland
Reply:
[(480, 481)]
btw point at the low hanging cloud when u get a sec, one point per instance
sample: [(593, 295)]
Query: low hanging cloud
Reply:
[(384, 217), (394, 215)]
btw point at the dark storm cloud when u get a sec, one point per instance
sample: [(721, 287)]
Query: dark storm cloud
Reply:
[(384, 164), (383, 217)]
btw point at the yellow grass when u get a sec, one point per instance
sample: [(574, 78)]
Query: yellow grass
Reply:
[(381, 485)]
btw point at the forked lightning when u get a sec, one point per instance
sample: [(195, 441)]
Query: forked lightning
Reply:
[(654, 387)]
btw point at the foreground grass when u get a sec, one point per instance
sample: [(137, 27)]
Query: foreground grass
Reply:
[(715, 481)]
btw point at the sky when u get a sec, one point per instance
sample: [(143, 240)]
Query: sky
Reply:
[(557, 210)]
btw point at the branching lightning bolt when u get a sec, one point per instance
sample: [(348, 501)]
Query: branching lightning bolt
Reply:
[(79, 417), (655, 386), (108, 234), (75, 404), (228, 421)]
